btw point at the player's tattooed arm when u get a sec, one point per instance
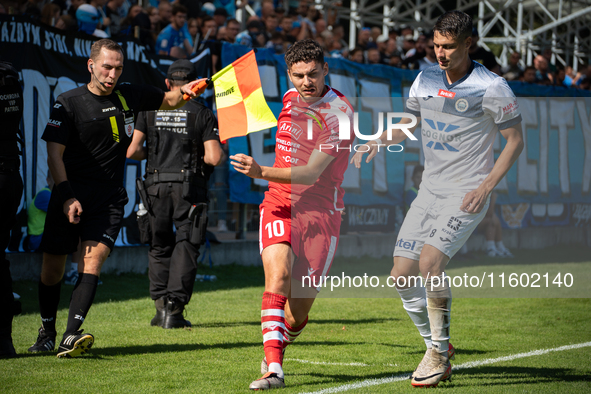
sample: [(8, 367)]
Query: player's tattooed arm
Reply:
[(475, 200)]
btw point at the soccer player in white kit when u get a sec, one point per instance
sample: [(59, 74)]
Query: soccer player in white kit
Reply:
[(462, 105)]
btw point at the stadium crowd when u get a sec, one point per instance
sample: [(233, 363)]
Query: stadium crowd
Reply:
[(184, 27)]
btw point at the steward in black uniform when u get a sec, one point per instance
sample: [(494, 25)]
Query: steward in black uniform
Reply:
[(11, 189), (182, 146), (88, 133)]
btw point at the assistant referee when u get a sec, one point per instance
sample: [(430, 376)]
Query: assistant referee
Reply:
[(87, 135)]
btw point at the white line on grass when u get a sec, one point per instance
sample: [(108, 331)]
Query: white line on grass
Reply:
[(472, 364)]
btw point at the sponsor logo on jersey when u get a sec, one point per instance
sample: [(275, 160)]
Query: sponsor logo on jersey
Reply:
[(427, 98), (311, 271), (446, 93), (54, 123), (438, 133), (406, 244), (462, 105), (293, 128), (109, 238), (109, 109), (510, 108), (444, 239), (454, 223)]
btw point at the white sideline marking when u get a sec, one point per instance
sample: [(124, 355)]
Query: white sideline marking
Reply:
[(472, 364)]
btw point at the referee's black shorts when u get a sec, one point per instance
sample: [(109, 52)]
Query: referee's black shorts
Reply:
[(100, 221)]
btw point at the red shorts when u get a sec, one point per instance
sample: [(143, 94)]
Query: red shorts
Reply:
[(312, 232)]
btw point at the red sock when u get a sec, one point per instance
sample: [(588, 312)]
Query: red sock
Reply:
[(273, 324), (291, 333)]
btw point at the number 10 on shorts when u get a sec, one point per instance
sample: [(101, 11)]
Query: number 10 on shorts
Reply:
[(275, 228)]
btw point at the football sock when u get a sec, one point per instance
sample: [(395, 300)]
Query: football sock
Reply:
[(82, 298), (291, 333), (49, 298), (273, 326), (439, 308), (490, 245), (414, 302), (500, 246)]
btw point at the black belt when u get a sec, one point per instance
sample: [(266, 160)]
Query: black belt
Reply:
[(163, 177)]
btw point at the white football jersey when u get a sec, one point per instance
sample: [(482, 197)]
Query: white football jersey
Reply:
[(459, 125)]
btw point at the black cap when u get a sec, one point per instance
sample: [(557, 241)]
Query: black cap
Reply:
[(182, 70), (221, 11)]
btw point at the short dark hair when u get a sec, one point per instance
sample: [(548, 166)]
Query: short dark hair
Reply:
[(95, 49), (176, 8), (454, 24), (306, 50)]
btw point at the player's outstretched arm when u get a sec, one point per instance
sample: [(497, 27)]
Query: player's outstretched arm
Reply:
[(372, 147), (305, 175), (475, 200), (71, 207)]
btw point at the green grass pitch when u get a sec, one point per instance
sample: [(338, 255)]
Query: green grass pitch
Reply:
[(353, 345)]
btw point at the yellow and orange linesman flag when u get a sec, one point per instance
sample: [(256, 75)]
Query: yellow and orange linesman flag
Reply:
[(239, 98)]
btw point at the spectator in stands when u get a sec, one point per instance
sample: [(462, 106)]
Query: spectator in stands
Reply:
[(547, 53), (560, 77), (126, 27), (543, 74), (373, 56), (36, 213), (430, 58), (356, 55), (209, 28), (513, 69), (114, 10), (193, 27), (229, 5), (411, 193), (88, 20), (529, 75), (253, 36), (493, 232), (271, 24), (141, 24), (363, 39), (220, 16), (382, 46), (232, 30), (481, 55), (408, 46), (415, 55), (74, 4), (176, 34), (50, 14), (320, 26), (392, 52), (104, 21), (375, 32), (165, 11), (67, 23)]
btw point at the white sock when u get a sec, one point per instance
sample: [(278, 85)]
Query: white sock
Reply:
[(414, 301), (276, 367), (439, 307), (500, 246), (490, 245)]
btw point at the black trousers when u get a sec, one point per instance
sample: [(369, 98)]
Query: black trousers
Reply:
[(11, 190), (172, 257)]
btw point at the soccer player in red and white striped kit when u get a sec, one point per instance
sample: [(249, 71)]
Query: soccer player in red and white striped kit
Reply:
[(301, 212)]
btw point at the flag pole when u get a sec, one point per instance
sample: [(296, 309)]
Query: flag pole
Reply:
[(202, 85)]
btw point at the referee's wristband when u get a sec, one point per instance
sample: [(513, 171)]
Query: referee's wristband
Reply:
[(65, 191)]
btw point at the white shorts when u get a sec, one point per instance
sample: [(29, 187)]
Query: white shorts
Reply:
[(436, 220)]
